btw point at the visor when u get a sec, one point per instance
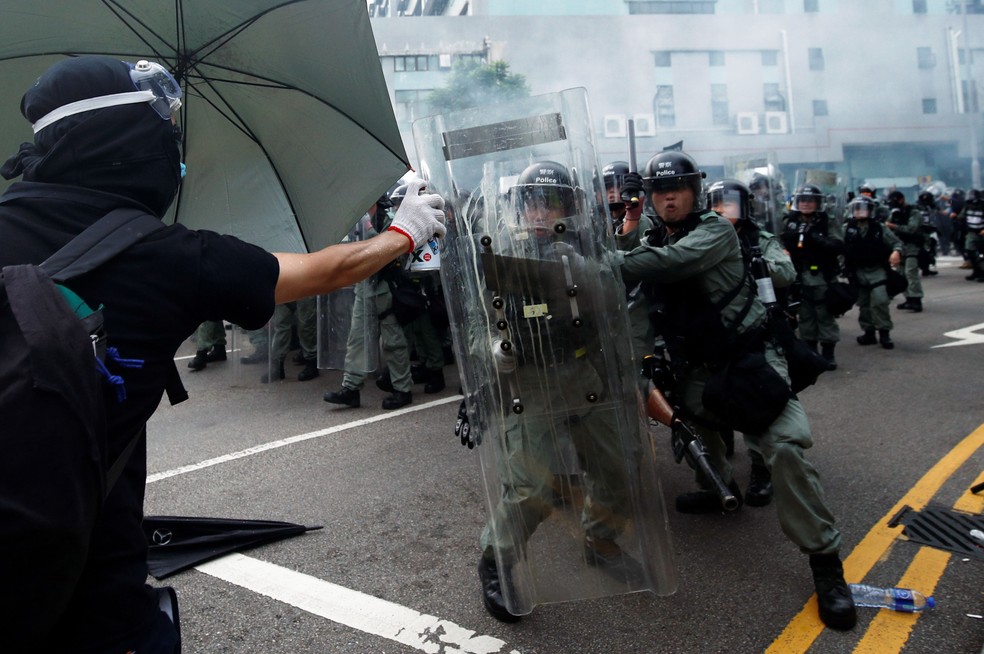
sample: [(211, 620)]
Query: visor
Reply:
[(548, 197), (151, 76)]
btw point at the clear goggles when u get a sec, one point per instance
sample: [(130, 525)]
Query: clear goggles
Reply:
[(154, 85)]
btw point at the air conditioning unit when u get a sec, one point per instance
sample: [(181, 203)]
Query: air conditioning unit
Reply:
[(776, 122), (747, 122), (645, 124), (444, 60), (615, 125)]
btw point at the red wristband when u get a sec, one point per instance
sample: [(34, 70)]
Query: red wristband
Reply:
[(396, 229)]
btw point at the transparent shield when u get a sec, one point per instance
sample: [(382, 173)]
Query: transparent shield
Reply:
[(540, 330), (768, 193), (347, 327), (831, 186)]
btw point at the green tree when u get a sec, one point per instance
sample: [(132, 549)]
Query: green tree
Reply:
[(475, 84)]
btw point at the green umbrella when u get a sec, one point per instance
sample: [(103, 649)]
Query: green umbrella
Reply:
[(289, 134)]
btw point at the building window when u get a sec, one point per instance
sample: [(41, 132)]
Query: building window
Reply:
[(410, 63), (469, 58), (719, 104), (919, 7), (929, 105), (819, 107), (925, 57), (811, 6), (772, 99), (715, 58), (816, 58), (663, 59), (410, 105), (663, 107), (770, 57), (671, 6)]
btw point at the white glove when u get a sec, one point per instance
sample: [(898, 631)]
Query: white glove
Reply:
[(505, 360), (420, 217)]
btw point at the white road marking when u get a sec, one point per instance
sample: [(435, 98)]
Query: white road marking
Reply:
[(425, 633), (257, 449), (965, 336)]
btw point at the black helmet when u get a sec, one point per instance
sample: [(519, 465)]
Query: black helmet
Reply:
[(974, 196), (867, 188), (672, 170), (809, 192), (614, 172), (397, 194), (546, 182), (862, 204), (727, 191), (758, 181), (927, 199)]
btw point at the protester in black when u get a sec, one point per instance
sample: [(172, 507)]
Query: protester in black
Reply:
[(81, 166)]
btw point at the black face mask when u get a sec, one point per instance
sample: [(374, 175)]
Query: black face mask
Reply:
[(127, 150)]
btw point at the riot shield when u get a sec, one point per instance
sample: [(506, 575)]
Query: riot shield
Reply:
[(830, 184), (760, 172), (541, 336), (348, 329)]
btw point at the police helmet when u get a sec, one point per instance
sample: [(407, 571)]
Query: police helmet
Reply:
[(730, 191), (974, 196), (673, 170), (614, 173), (545, 184), (397, 194), (867, 189), (862, 207), (927, 199), (809, 192), (758, 181)]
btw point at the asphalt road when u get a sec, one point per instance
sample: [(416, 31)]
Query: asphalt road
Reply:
[(393, 570)]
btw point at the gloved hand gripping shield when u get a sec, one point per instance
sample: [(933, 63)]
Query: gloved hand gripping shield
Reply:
[(540, 330)]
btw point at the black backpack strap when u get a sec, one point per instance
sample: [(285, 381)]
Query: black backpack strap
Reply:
[(100, 242)]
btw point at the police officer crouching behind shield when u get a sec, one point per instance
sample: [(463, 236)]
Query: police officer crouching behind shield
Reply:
[(715, 319), (540, 349)]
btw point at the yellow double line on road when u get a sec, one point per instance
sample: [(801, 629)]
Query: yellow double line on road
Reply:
[(889, 631)]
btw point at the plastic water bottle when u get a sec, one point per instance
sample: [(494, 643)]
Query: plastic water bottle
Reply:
[(897, 599), (760, 271)]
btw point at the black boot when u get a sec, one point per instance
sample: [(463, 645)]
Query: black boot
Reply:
[(258, 356), (435, 381), (759, 487), (488, 575), (397, 399), (347, 396), (885, 339), (275, 374), (867, 338), (912, 304), (310, 370), (418, 374), (728, 436), (834, 601), (216, 353), (827, 351), (200, 360), (705, 501), (384, 382)]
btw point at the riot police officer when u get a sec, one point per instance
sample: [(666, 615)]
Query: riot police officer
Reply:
[(531, 347), (907, 222), (813, 240), (715, 317), (868, 246), (972, 218), (730, 198)]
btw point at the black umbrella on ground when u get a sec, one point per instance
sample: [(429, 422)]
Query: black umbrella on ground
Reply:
[(178, 543)]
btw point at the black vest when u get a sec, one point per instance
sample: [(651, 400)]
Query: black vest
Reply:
[(867, 250)]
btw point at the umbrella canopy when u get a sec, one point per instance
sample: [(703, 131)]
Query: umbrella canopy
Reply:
[(289, 133), (177, 543)]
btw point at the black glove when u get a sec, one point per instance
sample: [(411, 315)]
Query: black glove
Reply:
[(462, 428), (631, 189)]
